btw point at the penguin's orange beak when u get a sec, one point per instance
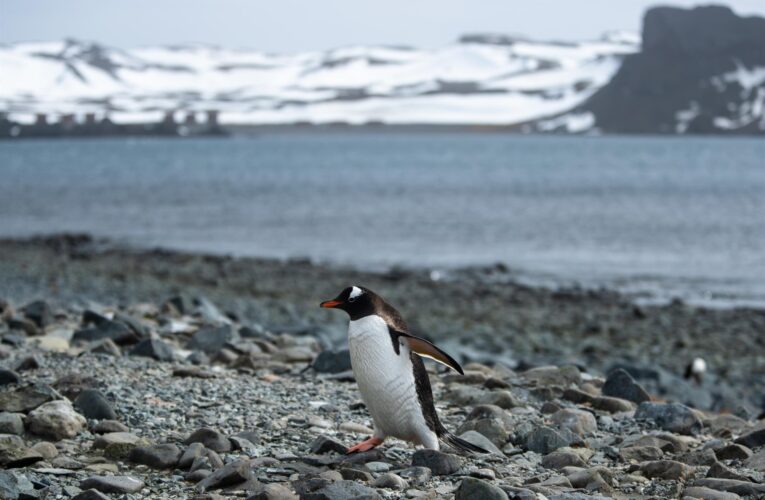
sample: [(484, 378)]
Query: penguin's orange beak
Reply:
[(331, 303)]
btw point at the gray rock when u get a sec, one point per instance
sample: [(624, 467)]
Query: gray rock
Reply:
[(11, 423), (211, 439), (274, 491), (353, 474), (611, 404), (561, 458), (56, 419), (753, 439), (720, 471), (91, 494), (733, 452), (212, 340), (342, 490), (21, 456), (38, 312), (478, 439), (545, 440), (416, 476), (666, 469), (577, 421), (93, 404), (13, 484), (475, 489), (158, 456), (325, 444), (9, 377), (672, 417), (640, 453), (191, 453), (743, 488), (153, 348), (25, 398), (757, 461), (390, 481), (233, 473), (553, 376), (112, 484), (620, 384), (440, 463), (106, 346), (708, 494), (332, 361), (46, 449), (117, 331), (106, 426)]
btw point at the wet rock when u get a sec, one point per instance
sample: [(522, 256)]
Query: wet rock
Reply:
[(577, 421), (475, 489), (117, 331), (708, 494), (25, 398), (211, 439), (38, 312), (233, 473), (153, 348), (93, 404), (666, 469), (332, 361), (743, 488), (672, 417), (753, 439), (9, 377), (620, 384), (342, 490), (112, 484), (440, 463), (158, 456), (544, 440), (733, 452), (11, 423), (211, 340), (390, 481), (325, 444), (56, 419)]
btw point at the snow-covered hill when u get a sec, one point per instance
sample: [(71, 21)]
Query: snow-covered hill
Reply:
[(484, 80)]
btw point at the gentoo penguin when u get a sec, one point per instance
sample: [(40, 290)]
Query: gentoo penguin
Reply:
[(392, 379), (696, 370)]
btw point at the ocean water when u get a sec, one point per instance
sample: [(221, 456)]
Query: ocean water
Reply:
[(656, 217)]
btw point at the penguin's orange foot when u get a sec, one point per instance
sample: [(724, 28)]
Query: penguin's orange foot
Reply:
[(365, 445)]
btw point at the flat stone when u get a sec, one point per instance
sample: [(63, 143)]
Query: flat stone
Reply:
[(708, 494), (478, 439), (666, 469), (112, 484), (233, 473), (56, 419), (733, 452), (476, 489), (743, 488), (611, 404), (158, 456), (211, 439), (672, 417), (153, 348), (107, 426), (620, 384), (26, 398), (12, 457), (93, 404), (440, 463)]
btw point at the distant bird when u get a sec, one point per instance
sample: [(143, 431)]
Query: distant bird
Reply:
[(695, 370), (392, 379)]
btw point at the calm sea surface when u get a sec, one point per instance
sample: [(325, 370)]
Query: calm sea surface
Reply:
[(665, 216)]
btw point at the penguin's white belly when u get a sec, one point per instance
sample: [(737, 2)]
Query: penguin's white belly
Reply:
[(386, 382)]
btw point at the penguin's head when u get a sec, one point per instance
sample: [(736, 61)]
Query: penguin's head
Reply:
[(357, 301)]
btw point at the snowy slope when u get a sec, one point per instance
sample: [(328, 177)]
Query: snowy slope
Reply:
[(484, 80)]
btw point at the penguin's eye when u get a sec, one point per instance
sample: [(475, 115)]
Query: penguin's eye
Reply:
[(352, 299)]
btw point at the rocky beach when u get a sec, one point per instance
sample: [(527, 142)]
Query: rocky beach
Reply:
[(134, 373)]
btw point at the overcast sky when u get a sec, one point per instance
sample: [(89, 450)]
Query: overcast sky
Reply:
[(291, 25)]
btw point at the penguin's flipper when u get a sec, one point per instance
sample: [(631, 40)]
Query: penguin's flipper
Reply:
[(426, 349)]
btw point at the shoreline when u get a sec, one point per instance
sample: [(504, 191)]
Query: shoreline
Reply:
[(482, 313)]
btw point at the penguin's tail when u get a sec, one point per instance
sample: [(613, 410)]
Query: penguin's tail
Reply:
[(460, 444)]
